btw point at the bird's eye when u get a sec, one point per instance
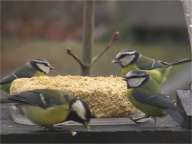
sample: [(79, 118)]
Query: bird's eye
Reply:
[(136, 82), (126, 60)]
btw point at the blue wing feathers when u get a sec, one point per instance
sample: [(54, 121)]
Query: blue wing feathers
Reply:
[(155, 100), (162, 102)]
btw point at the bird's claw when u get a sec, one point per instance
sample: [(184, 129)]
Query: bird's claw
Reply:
[(73, 133), (136, 120)]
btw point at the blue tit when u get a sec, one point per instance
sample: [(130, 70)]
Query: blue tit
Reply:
[(47, 107), (133, 60), (35, 67), (146, 96)]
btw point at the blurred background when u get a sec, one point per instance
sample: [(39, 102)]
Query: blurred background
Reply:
[(44, 29)]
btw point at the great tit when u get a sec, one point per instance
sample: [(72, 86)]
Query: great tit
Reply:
[(133, 60), (47, 107), (145, 95), (35, 67)]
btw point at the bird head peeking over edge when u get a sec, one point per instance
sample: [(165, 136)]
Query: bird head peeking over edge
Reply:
[(42, 65), (136, 79), (126, 57), (80, 112)]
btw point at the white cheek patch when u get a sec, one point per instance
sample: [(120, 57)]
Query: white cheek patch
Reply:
[(79, 108), (43, 68), (118, 55), (126, 60), (135, 82)]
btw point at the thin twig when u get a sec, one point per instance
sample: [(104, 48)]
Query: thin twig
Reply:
[(76, 58), (114, 38)]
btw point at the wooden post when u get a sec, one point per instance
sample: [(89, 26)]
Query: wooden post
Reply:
[(187, 6), (88, 30)]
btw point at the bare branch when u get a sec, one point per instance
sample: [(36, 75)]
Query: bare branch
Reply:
[(114, 38), (77, 59)]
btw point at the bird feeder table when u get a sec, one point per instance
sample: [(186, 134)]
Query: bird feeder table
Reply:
[(107, 130)]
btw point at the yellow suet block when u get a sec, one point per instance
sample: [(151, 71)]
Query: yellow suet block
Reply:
[(106, 96)]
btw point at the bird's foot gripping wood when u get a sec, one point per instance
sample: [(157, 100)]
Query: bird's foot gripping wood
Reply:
[(155, 121), (137, 120)]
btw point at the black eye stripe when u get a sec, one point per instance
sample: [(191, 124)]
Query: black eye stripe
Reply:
[(46, 64), (144, 81), (127, 56), (137, 77), (124, 55)]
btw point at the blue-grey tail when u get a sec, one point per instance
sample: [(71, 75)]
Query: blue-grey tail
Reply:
[(10, 99), (176, 115), (182, 61), (5, 101)]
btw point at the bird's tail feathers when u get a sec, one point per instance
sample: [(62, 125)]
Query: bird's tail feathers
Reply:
[(13, 99), (176, 115), (182, 61), (5, 101)]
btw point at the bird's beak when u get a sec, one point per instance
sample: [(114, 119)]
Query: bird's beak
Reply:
[(115, 61), (124, 78)]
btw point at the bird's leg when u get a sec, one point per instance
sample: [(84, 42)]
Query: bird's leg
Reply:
[(49, 128), (139, 118), (155, 122), (52, 128), (71, 131)]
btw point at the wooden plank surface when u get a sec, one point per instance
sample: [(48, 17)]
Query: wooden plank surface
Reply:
[(101, 130), (184, 101), (185, 96)]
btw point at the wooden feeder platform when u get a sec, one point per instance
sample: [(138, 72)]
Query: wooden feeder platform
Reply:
[(106, 130)]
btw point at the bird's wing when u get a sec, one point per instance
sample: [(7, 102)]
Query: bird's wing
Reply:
[(7, 79), (158, 100), (147, 63), (55, 97), (163, 102), (28, 97), (25, 71), (43, 98), (20, 73)]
